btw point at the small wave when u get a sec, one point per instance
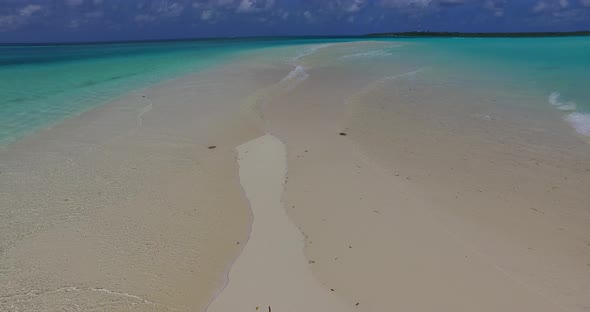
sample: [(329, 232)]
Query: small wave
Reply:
[(297, 74), (410, 74), (382, 83), (294, 78), (309, 51), (569, 106), (580, 122), (555, 100), (369, 54)]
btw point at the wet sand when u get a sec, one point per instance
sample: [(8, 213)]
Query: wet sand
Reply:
[(272, 271), (409, 194), (436, 198), (129, 207)]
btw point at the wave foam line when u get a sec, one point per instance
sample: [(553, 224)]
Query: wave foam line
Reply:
[(309, 51), (294, 78), (369, 54), (555, 100), (580, 122), (410, 74)]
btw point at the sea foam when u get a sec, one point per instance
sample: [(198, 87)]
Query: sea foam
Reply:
[(309, 51), (298, 74), (410, 74), (368, 54), (579, 121), (555, 100)]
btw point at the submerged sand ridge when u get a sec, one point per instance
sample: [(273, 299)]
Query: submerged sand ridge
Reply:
[(272, 273)]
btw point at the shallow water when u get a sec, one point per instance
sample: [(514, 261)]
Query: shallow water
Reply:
[(42, 85), (553, 69)]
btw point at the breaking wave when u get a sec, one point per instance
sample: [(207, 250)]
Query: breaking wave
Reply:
[(579, 121), (555, 100), (295, 77), (369, 54), (307, 51)]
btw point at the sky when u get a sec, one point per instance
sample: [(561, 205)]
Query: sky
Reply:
[(114, 20)]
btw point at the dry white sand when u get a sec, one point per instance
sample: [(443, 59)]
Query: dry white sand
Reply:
[(272, 273)]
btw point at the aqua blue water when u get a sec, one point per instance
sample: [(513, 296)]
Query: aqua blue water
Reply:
[(42, 85), (551, 64), (556, 69)]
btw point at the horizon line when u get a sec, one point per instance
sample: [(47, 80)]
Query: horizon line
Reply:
[(404, 34)]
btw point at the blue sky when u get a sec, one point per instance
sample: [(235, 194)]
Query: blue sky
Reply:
[(100, 20)]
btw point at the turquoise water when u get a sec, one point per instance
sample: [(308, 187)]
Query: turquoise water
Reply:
[(544, 64), (42, 85), (555, 69)]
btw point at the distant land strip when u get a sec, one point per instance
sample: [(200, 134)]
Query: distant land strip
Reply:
[(409, 34), (413, 34)]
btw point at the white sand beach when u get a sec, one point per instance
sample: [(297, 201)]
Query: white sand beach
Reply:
[(315, 185)]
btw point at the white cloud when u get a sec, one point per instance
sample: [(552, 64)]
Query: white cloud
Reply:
[(354, 6), (213, 3), (246, 6), (240, 6), (169, 8), (159, 10), (249, 6), (585, 3), (308, 16), (206, 15), (8, 21), (555, 7), (74, 2), (222, 2), (30, 10), (451, 2), (20, 17), (539, 7), (282, 14), (496, 6), (73, 24), (405, 3), (422, 3)]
